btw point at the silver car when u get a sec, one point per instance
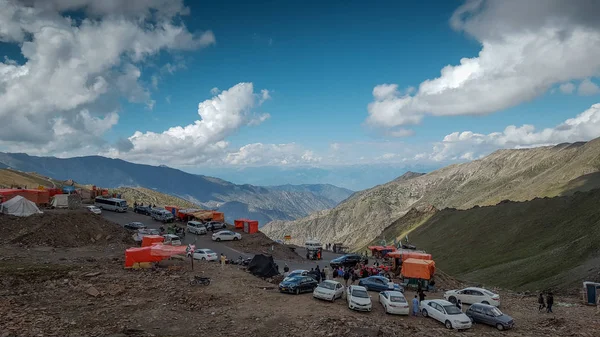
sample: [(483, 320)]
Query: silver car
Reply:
[(490, 315), (196, 227)]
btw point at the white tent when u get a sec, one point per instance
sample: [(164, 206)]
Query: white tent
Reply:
[(19, 206), (60, 201)]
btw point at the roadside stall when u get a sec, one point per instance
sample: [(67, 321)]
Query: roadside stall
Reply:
[(144, 257), (417, 270), (379, 252)]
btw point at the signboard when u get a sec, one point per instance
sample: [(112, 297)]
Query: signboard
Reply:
[(287, 237)]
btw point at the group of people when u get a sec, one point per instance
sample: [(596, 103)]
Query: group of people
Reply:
[(546, 303)]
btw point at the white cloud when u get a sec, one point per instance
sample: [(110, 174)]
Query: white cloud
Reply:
[(264, 96), (271, 154), (468, 145), (75, 72), (527, 47), (215, 91), (588, 88), (567, 88), (218, 118)]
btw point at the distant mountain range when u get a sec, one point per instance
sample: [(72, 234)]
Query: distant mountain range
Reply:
[(260, 203), (517, 175), (354, 177)]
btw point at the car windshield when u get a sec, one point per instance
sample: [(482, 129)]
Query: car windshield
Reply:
[(452, 310), (293, 279), (327, 285), (208, 251), (398, 299), (360, 293), (496, 312)]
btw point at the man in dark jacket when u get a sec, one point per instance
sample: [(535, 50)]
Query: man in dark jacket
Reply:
[(346, 277), (549, 302), (541, 302)]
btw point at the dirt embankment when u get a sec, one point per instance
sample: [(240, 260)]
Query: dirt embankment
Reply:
[(259, 243), (61, 229)]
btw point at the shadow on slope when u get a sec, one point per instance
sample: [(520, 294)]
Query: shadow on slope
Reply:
[(532, 245)]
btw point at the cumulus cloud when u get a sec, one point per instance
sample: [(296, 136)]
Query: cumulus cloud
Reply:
[(588, 88), (205, 139), (527, 47), (271, 154), (468, 145), (66, 93), (567, 88)]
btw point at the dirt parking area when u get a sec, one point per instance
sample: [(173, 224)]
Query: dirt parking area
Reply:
[(85, 291)]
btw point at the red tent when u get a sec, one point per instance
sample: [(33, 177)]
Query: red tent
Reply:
[(140, 257), (249, 226)]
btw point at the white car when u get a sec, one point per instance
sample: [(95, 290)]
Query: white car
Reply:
[(328, 290), (226, 236), (394, 302), (472, 296), (196, 227), (172, 239), (445, 312), (94, 209), (205, 255), (358, 298)]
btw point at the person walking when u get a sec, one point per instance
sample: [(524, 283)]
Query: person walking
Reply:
[(541, 302), (415, 306), (326, 271), (459, 305), (421, 296), (223, 259), (549, 302), (354, 276), (323, 275), (346, 277)]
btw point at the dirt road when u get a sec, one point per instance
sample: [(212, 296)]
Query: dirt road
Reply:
[(205, 241)]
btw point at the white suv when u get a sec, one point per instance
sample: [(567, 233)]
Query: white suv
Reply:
[(196, 227)]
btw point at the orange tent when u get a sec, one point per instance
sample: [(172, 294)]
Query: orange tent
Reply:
[(149, 240), (249, 226), (409, 255), (137, 257), (416, 268)]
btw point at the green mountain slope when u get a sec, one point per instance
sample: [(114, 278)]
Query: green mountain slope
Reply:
[(533, 245)]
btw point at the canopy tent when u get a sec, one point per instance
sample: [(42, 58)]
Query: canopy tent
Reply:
[(418, 269), (249, 226), (263, 266), (149, 240), (19, 206), (138, 257), (409, 255), (381, 251)]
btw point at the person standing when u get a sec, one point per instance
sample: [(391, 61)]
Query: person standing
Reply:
[(549, 302), (323, 274), (421, 295), (326, 273), (541, 302), (346, 277), (223, 259), (415, 306)]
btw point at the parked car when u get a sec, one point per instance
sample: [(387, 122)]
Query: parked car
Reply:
[(348, 260), (445, 312), (490, 315), (329, 290), (172, 239), (205, 254), (162, 215), (379, 283), (473, 295), (226, 236), (94, 209), (196, 227), (142, 209), (297, 285), (394, 302), (135, 226), (358, 298), (214, 225)]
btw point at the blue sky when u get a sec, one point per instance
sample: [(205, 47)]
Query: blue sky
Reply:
[(310, 84)]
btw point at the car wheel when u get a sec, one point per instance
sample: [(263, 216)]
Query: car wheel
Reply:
[(486, 302), (448, 325), (499, 326), (297, 292), (452, 300), (235, 238), (218, 239), (203, 259), (424, 313)]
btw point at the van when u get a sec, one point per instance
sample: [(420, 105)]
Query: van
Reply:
[(313, 244), (162, 215)]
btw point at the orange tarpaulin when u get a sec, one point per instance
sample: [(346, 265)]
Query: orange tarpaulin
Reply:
[(148, 240), (155, 253), (416, 268), (409, 255), (380, 248), (249, 226)]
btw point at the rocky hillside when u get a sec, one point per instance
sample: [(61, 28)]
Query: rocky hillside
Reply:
[(507, 174), (533, 245), (237, 201)]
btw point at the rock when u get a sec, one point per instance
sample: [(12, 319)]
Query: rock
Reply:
[(92, 292), (92, 274), (98, 237)]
